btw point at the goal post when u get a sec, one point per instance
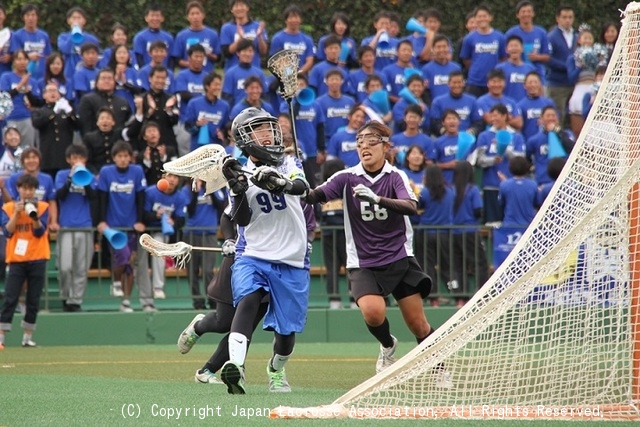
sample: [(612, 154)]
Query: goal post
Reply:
[(528, 347)]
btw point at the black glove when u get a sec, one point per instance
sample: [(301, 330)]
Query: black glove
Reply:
[(232, 171), (269, 179)]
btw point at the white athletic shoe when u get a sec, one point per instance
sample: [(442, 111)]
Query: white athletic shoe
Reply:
[(335, 305), (205, 376), (233, 376), (159, 294), (386, 356), (188, 337), (116, 291), (29, 343), (277, 380), (125, 307)]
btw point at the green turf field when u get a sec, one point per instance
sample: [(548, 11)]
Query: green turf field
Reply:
[(147, 385)]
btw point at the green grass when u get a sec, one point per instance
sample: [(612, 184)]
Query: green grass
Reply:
[(81, 386)]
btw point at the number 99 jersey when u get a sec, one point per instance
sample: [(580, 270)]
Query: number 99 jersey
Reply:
[(277, 231)]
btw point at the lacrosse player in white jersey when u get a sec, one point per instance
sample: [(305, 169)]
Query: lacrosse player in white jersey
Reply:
[(271, 250)]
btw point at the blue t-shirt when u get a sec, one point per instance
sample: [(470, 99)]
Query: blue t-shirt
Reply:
[(143, 39), (36, 41), (207, 37), (515, 75), (336, 112), (485, 52), (234, 78), (436, 212), (71, 51), (465, 214), (436, 76), (465, 105), (535, 40), (517, 196), (228, 35), (121, 189), (300, 42), (343, 146), (216, 113), (75, 209), (173, 204)]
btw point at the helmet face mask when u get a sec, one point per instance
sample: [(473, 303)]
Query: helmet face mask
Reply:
[(258, 134)]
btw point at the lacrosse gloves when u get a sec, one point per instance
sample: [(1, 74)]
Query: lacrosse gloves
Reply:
[(365, 193), (232, 171), (270, 179), (229, 248)]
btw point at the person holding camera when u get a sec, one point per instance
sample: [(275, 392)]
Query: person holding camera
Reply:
[(24, 222)]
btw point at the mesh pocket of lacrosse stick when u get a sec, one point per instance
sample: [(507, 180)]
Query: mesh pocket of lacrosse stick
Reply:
[(180, 252), (284, 65), (204, 163)]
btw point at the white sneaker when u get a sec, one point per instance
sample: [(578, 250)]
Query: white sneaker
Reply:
[(277, 380), (188, 338), (28, 343), (205, 376), (149, 308), (116, 291), (335, 305), (385, 357), (159, 294), (443, 379), (125, 307)]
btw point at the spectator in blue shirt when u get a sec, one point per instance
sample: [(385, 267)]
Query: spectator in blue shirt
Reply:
[(384, 44), (554, 168), (243, 26), (342, 145), (340, 26), (234, 78), (515, 69), (196, 33), (143, 39), (517, 195), (76, 18), (437, 71), (32, 40), (291, 37), (459, 101), (496, 82), (532, 105)]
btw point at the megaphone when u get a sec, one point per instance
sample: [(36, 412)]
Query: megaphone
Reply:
[(167, 229), (32, 67), (81, 176), (504, 138), (401, 155), (555, 146), (408, 96), (380, 100), (408, 72), (203, 135), (465, 141), (415, 27), (117, 239), (306, 96), (527, 49), (383, 40), (344, 52), (76, 35)]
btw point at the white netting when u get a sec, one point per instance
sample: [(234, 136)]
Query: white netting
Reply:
[(284, 65), (180, 252), (557, 325), (204, 163)]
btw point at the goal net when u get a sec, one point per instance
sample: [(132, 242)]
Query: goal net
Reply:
[(555, 332)]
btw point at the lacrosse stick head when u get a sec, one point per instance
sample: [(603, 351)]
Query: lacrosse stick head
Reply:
[(258, 134), (180, 252), (284, 65), (204, 163)]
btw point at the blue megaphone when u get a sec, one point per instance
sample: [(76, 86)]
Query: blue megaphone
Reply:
[(203, 135), (344, 52), (167, 229), (306, 96), (555, 146), (465, 141), (408, 72), (504, 138), (81, 176), (383, 40), (32, 67), (380, 99), (400, 157), (77, 37), (527, 49), (408, 96), (415, 27), (117, 239)]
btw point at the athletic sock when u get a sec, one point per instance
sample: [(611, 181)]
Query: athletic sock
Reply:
[(277, 362), (382, 333), (431, 331), (237, 348), (26, 337)]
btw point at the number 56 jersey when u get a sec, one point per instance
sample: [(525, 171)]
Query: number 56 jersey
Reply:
[(375, 236), (277, 231)]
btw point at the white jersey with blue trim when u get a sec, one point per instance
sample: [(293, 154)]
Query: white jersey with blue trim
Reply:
[(277, 231)]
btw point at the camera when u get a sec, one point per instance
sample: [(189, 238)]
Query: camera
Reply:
[(31, 208)]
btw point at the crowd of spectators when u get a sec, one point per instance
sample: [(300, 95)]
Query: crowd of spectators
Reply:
[(166, 95)]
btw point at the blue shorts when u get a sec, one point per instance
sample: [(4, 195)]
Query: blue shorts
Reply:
[(288, 288)]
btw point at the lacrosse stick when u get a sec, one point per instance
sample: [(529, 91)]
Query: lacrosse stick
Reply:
[(180, 251), (284, 66), (205, 163)]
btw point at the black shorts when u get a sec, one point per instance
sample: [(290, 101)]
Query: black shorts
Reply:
[(400, 279)]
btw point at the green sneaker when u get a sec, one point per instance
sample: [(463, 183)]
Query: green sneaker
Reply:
[(233, 376), (277, 380), (188, 337)]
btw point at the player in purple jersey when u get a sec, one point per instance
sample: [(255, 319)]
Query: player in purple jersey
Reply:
[(378, 200)]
